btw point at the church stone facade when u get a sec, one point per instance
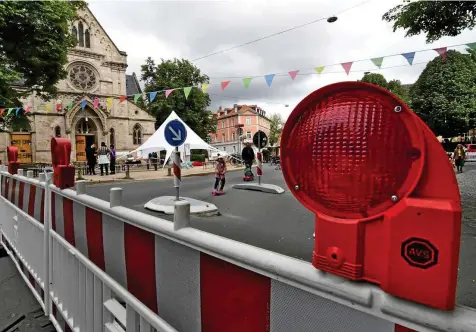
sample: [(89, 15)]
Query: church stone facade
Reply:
[(96, 69)]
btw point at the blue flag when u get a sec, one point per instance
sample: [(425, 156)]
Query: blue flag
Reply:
[(152, 96), (18, 110), (269, 79), (83, 104), (409, 56)]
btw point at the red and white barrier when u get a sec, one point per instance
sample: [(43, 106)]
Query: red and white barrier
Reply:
[(193, 280)]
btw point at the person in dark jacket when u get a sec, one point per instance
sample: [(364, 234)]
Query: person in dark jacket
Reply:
[(91, 155), (112, 159), (248, 155), (154, 159)]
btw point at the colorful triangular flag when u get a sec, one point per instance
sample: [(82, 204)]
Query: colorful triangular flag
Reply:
[(409, 56), (168, 92), (109, 103), (246, 82), (9, 111), (17, 111), (293, 74), (96, 102), (48, 107), (152, 95), (347, 66), (205, 87), (186, 91), (472, 46), (83, 104), (136, 97), (441, 51), (2, 111), (70, 105), (28, 109), (122, 98), (224, 84), (59, 106), (320, 69), (269, 79), (377, 61)]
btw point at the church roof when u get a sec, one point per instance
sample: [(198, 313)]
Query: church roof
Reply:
[(132, 85)]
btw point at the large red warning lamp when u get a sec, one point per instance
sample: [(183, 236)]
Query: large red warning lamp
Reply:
[(385, 196), (63, 171), (12, 155)]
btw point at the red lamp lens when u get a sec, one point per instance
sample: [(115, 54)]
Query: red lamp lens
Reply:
[(347, 150)]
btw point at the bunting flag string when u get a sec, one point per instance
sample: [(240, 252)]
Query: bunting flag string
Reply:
[(149, 97)]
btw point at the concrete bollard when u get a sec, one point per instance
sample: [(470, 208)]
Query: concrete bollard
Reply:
[(115, 197), (81, 187), (20, 172), (42, 177), (181, 215), (29, 174)]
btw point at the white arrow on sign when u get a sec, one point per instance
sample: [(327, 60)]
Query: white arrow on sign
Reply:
[(178, 136)]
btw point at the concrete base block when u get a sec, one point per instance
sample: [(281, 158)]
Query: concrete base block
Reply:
[(165, 204), (267, 188)]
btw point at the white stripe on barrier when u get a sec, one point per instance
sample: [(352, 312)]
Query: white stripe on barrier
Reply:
[(38, 193), (59, 214), (26, 196), (80, 236), (114, 251)]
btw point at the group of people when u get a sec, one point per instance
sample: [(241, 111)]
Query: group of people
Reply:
[(104, 156)]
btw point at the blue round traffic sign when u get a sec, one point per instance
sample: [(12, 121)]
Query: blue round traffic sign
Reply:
[(175, 133)]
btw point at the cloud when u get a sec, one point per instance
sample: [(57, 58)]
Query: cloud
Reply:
[(191, 29)]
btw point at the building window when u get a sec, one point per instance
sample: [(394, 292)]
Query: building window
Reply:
[(112, 139), (232, 122), (74, 32), (232, 136), (82, 76), (57, 131), (248, 120), (81, 34), (223, 137), (234, 149), (248, 134), (223, 124), (87, 38), (137, 134)]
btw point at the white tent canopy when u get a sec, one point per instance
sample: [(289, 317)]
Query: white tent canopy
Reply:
[(157, 141)]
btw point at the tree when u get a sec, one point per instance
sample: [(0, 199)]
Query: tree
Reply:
[(275, 128), (394, 86), (172, 74), (434, 18), (443, 95)]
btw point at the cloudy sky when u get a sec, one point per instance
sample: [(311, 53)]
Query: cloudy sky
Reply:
[(192, 29)]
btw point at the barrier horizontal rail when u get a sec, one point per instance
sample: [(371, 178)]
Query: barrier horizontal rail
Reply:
[(183, 260)]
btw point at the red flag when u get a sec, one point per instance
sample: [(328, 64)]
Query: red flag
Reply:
[(27, 110), (224, 85), (96, 102), (441, 51), (58, 107), (2, 111), (293, 74), (347, 66), (122, 98)]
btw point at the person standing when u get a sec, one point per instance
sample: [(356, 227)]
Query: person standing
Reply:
[(248, 155), (91, 158), (103, 158), (220, 171), (459, 157), (112, 157), (154, 159)]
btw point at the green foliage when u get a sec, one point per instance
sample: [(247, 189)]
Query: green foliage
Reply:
[(275, 128), (197, 157), (444, 94), (178, 73), (34, 40), (434, 18), (394, 86)]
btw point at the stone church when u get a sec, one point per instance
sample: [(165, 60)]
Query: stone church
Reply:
[(96, 69)]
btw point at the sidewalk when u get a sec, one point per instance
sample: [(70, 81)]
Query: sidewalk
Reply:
[(161, 173)]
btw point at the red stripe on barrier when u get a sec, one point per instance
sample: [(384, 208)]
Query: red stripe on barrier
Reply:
[(7, 184), (233, 299), (20, 195), (67, 328), (68, 221), (42, 209), (140, 265), (177, 171), (94, 237), (399, 328), (53, 212), (12, 194), (31, 201), (31, 279)]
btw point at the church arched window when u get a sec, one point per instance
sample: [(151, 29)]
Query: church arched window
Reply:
[(87, 38), (112, 139), (81, 34), (137, 134), (57, 131), (74, 32)]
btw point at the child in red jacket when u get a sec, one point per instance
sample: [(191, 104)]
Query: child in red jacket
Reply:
[(220, 171)]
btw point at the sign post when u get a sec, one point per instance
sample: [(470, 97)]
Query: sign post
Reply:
[(176, 134), (260, 140)]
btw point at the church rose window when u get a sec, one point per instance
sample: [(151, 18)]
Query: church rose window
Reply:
[(82, 77)]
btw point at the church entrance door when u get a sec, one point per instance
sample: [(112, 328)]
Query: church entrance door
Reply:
[(81, 148)]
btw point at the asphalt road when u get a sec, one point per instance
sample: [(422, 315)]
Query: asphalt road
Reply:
[(279, 222)]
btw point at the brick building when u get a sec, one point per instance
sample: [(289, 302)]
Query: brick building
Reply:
[(227, 136)]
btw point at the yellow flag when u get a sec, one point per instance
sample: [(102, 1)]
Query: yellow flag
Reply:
[(48, 107), (205, 87), (109, 103)]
